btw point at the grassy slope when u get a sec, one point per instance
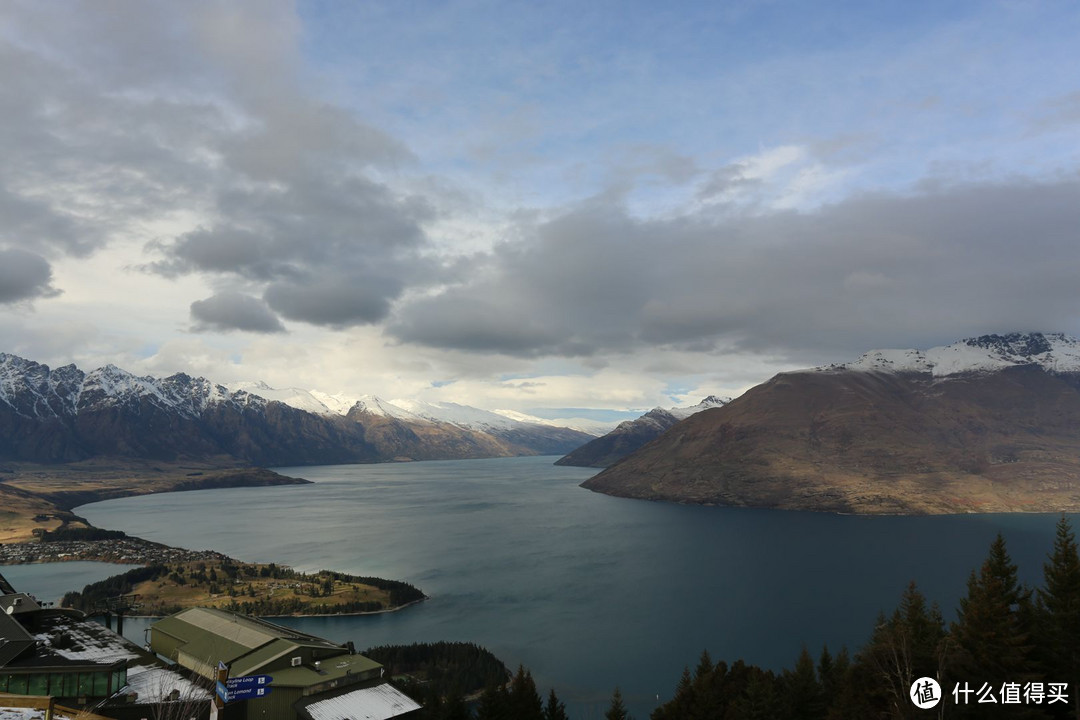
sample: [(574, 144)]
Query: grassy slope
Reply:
[(28, 490), (166, 595)]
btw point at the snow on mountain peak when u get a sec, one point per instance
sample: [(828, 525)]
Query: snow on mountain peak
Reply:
[(1055, 352), (460, 415), (33, 390), (338, 403), (383, 408), (293, 397), (709, 402), (585, 425)]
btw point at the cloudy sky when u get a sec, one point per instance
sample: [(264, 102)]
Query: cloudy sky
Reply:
[(546, 207)]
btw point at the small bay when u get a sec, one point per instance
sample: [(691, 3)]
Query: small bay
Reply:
[(586, 590), (49, 581)]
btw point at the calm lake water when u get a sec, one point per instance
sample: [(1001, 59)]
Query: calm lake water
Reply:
[(49, 581), (588, 591)]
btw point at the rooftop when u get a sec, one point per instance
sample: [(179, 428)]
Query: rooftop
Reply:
[(329, 670), (60, 639), (240, 630), (378, 702)]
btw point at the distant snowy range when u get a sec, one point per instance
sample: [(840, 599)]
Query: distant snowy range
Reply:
[(315, 401), (66, 414)]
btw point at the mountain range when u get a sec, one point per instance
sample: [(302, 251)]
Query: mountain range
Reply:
[(631, 435), (66, 415), (987, 424)]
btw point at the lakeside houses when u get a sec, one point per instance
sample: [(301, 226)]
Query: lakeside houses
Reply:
[(124, 551)]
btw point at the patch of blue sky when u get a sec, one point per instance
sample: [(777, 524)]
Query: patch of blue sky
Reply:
[(675, 389), (542, 92)]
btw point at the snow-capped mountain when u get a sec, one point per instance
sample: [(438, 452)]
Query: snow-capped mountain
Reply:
[(1054, 352), (539, 437), (338, 403), (630, 435), (515, 433), (461, 415), (32, 390), (293, 397), (585, 425), (377, 406), (987, 424), (66, 414)]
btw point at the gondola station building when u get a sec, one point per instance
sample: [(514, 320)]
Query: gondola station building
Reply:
[(276, 673)]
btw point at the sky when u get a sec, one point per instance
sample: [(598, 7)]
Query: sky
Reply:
[(559, 208)]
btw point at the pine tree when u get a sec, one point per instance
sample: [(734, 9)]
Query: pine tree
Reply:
[(704, 667), (760, 700), (825, 670), (803, 699), (494, 704), (524, 700), (993, 623), (992, 635), (555, 709), (681, 702), (455, 708), (617, 711), (857, 688), (1058, 623)]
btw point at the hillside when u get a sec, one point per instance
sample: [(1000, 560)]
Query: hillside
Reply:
[(630, 435), (985, 425)]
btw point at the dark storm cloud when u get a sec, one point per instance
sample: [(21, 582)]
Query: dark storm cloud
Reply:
[(296, 233), (296, 215), (338, 301), (24, 276), (872, 270), (228, 311)]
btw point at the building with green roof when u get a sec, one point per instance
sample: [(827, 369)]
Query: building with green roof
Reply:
[(304, 668)]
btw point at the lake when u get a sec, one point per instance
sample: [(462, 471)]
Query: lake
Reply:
[(586, 590), (49, 581)]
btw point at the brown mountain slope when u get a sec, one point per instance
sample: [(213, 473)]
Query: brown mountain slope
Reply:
[(399, 440), (873, 442)]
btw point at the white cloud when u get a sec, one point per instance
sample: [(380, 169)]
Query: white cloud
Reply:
[(612, 209)]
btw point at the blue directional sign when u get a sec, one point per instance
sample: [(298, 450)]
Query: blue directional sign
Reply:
[(222, 691), (247, 693), (246, 681)]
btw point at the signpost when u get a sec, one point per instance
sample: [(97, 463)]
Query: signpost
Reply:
[(245, 687), (248, 693), (246, 681), (222, 693)]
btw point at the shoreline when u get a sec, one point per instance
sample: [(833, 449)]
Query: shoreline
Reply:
[(394, 609), (129, 552), (181, 555)]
